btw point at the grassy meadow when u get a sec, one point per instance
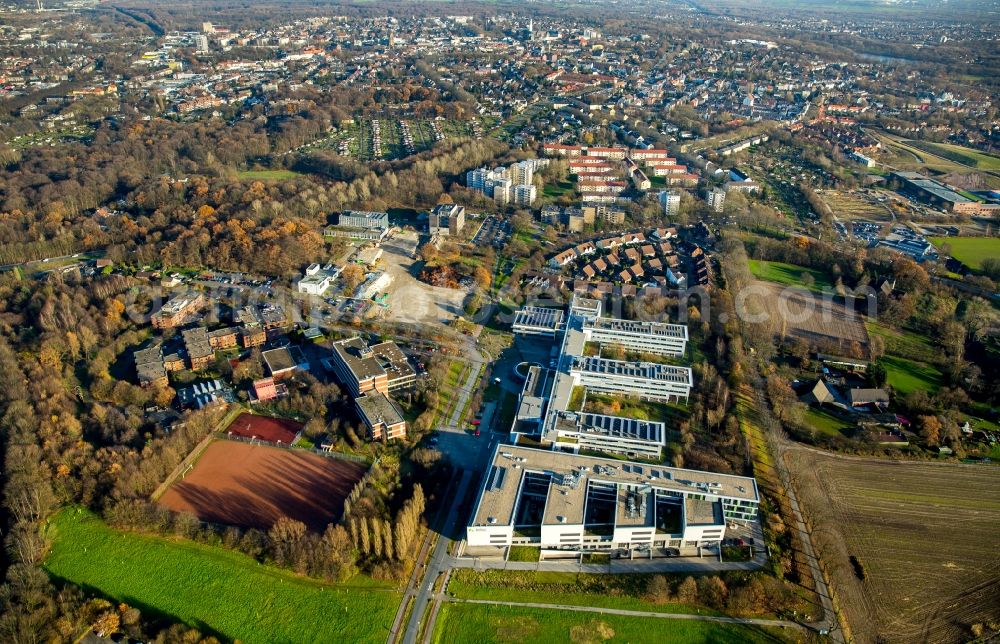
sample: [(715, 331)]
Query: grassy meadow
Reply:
[(217, 591)]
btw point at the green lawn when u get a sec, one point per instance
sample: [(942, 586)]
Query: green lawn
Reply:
[(971, 251), (789, 275), (556, 189), (267, 175), (913, 345), (569, 588), (826, 423), (215, 590), (959, 154), (486, 623), (523, 553), (670, 413), (907, 376)]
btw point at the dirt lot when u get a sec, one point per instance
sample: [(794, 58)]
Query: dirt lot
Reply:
[(814, 319), (924, 537), (849, 205), (265, 428), (253, 485), (410, 300)]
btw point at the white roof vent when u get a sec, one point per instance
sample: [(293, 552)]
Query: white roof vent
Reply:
[(491, 519), (561, 519)]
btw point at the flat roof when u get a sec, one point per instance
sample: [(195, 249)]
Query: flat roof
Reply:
[(538, 317), (392, 360), (621, 427), (936, 188), (178, 303), (196, 342), (530, 408), (279, 360), (571, 474), (358, 357), (647, 370), (703, 512), (658, 329), (377, 408)]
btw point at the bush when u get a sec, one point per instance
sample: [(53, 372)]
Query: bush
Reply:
[(713, 591)]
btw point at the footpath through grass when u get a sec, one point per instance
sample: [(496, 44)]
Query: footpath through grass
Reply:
[(488, 623), (789, 275), (217, 591), (568, 588)]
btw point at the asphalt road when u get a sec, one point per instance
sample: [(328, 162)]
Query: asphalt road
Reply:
[(439, 562)]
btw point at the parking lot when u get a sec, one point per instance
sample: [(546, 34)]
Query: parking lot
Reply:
[(494, 231)]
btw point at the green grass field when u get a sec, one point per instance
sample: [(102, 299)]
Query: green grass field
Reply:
[(789, 275), (959, 154), (487, 623), (267, 175), (215, 590), (913, 345), (568, 588), (907, 376), (825, 423), (555, 190), (630, 407), (971, 251)]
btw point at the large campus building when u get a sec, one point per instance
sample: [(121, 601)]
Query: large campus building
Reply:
[(365, 225), (370, 373), (941, 196), (546, 406), (566, 501)]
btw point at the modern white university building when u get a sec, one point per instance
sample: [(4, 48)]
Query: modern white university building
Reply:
[(566, 501), (544, 407)]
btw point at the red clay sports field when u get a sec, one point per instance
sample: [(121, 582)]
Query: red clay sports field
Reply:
[(265, 428)]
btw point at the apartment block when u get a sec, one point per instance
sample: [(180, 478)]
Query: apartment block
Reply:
[(178, 311), (199, 348), (670, 201), (716, 199)]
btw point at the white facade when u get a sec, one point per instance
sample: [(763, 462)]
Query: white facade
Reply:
[(572, 502), (716, 199), (642, 337), (534, 320), (314, 284), (670, 202), (524, 195), (647, 380), (375, 283), (503, 191)]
